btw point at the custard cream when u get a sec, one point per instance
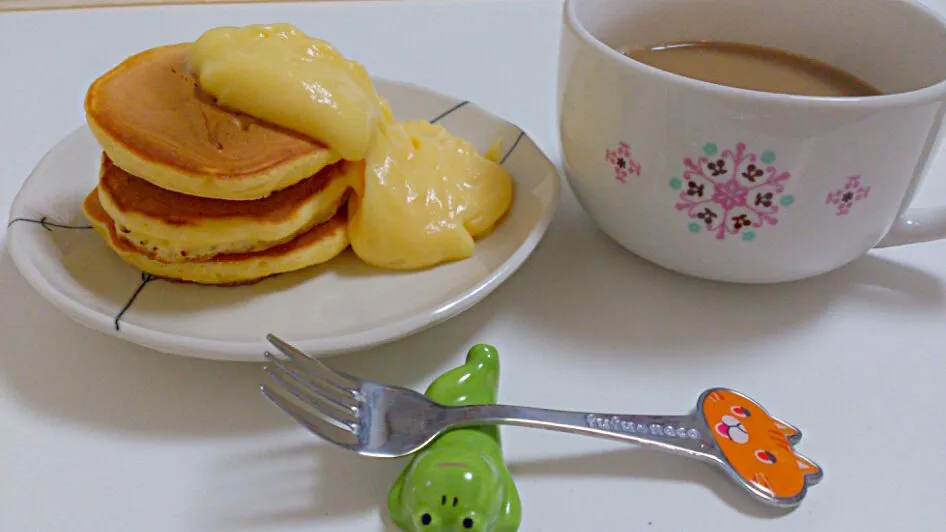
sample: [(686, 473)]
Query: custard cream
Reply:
[(427, 195), (280, 75)]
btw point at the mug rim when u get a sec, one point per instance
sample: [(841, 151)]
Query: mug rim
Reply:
[(929, 93)]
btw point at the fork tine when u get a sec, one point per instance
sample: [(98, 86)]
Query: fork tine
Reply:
[(314, 423), (314, 402), (312, 365), (316, 395), (347, 399)]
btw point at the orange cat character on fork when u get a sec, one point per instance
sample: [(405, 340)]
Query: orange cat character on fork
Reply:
[(758, 447)]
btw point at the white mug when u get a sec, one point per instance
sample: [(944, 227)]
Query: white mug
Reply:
[(743, 186)]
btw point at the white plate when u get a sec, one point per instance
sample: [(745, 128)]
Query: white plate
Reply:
[(338, 307)]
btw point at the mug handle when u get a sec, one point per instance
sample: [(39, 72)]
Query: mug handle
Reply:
[(916, 226)]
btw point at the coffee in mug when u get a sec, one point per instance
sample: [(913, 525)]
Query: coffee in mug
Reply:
[(752, 67)]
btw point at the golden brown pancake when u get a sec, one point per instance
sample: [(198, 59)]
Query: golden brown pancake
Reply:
[(175, 227), (318, 245), (154, 122)]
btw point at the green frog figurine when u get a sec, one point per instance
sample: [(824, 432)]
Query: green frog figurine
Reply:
[(459, 481)]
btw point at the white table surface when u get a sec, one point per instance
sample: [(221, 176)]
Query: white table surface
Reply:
[(100, 435)]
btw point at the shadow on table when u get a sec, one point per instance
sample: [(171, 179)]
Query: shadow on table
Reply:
[(59, 369), (649, 464), (311, 483), (657, 310), (298, 484)]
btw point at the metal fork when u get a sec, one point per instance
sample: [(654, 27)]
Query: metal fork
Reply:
[(385, 421)]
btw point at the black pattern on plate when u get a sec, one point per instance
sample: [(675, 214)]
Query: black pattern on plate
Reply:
[(46, 224), (513, 147), (145, 279), (447, 113)]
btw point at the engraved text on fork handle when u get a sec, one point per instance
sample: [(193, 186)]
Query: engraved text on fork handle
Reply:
[(680, 434)]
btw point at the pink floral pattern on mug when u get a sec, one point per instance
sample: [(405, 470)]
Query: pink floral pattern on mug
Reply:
[(620, 159), (845, 198), (732, 193)]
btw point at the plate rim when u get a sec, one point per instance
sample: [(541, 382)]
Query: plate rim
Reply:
[(252, 351)]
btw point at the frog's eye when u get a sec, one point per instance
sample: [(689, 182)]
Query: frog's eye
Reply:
[(468, 522), (425, 519)]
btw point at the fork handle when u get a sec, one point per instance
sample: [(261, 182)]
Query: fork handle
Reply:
[(678, 434)]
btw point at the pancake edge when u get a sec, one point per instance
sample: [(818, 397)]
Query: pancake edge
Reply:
[(222, 231), (331, 239)]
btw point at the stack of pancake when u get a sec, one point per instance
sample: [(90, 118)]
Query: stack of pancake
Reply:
[(193, 192)]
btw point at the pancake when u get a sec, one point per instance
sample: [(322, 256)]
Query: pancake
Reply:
[(174, 227), (320, 244), (154, 122)]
